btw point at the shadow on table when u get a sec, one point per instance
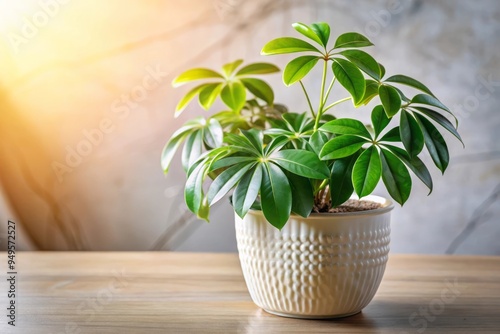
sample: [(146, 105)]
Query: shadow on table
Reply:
[(385, 317)]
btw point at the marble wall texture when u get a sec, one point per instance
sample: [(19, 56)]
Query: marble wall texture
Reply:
[(65, 81)]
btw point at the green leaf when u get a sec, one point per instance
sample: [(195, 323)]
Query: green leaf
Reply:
[(209, 157), (287, 45), (187, 98), (279, 132), (441, 120), (204, 210), (393, 135), (169, 151), (402, 95), (301, 162), (435, 143), (350, 77), (257, 68), (176, 140), (364, 61), (247, 190), (276, 144), (260, 89), (371, 91), (415, 164), (390, 100), (195, 74), (379, 119), (308, 32), (234, 95), (276, 196), (341, 187), (317, 141), (192, 149), (209, 94), (432, 101), (229, 68), (341, 146), (255, 138), (322, 29), (229, 161), (366, 172), (302, 194), (396, 178), (193, 191), (241, 143), (351, 40), (382, 70), (298, 122), (411, 134), (213, 134), (298, 68), (226, 181), (346, 126), (405, 80)]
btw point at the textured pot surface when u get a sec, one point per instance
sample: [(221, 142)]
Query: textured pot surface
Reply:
[(323, 266)]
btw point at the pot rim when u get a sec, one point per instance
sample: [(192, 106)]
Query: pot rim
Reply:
[(387, 205)]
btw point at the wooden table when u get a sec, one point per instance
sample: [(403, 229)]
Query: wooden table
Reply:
[(165, 292)]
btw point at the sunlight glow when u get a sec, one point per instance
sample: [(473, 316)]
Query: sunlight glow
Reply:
[(13, 13)]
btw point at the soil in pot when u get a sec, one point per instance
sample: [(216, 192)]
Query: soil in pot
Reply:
[(351, 205)]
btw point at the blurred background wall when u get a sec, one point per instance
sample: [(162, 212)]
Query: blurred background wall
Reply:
[(86, 106)]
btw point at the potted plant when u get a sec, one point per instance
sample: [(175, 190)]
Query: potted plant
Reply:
[(307, 247)]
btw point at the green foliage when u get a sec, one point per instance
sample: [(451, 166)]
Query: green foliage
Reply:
[(379, 119), (366, 172), (396, 177), (275, 174), (287, 45), (283, 163), (411, 134), (351, 40), (364, 62), (350, 77), (230, 85), (390, 98), (341, 187), (298, 68), (341, 146)]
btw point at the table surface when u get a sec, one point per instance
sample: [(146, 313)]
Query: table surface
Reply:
[(164, 292)]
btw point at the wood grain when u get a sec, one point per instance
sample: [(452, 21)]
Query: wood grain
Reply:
[(76, 292)]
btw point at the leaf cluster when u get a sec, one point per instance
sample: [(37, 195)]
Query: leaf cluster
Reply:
[(278, 161)]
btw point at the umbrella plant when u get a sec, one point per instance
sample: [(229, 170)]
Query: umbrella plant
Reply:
[(284, 162)]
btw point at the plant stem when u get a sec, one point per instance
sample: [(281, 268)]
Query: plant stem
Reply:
[(321, 96), (307, 97), (328, 91), (322, 91), (337, 102), (322, 199), (322, 186)]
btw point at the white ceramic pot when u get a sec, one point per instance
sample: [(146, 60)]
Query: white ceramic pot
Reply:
[(323, 266)]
